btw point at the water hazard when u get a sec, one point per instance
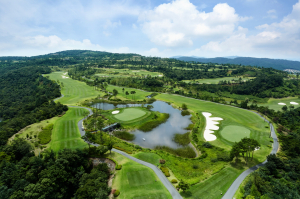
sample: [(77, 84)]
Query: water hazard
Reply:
[(164, 133)]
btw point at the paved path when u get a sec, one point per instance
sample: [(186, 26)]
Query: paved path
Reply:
[(235, 185)]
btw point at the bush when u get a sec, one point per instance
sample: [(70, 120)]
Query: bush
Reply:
[(124, 135), (165, 170), (174, 181), (148, 126), (207, 145), (161, 161), (117, 193), (182, 139), (45, 135), (119, 167), (185, 112), (186, 152), (129, 152)]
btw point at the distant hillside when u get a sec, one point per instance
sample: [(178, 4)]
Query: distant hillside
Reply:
[(279, 64)]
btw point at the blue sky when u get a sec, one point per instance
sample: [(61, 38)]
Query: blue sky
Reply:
[(214, 28)]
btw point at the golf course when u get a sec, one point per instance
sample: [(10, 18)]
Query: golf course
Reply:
[(277, 104)]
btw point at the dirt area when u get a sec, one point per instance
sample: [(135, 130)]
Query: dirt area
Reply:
[(111, 165)]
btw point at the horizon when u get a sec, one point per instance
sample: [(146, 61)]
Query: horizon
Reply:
[(251, 28)]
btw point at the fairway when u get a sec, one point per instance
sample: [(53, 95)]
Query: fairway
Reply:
[(65, 133), (273, 103), (130, 114), (148, 157), (213, 187), (112, 72), (235, 133), (137, 181), (138, 96), (74, 91)]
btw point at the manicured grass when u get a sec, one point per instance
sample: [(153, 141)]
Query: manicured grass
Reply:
[(138, 96), (273, 103), (74, 91), (112, 72), (148, 157), (130, 114), (235, 133), (65, 133), (137, 181), (217, 80), (213, 187)]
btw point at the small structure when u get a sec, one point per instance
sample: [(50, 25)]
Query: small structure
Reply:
[(111, 127)]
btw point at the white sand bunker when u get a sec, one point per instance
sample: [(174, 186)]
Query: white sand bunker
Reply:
[(160, 75), (294, 103), (211, 124), (115, 112), (65, 73), (135, 71), (281, 103)]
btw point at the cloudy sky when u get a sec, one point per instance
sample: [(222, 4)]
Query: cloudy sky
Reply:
[(164, 28)]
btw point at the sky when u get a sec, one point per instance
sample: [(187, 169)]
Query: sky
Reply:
[(163, 28)]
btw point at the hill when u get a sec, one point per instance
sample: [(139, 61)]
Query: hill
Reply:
[(278, 64)]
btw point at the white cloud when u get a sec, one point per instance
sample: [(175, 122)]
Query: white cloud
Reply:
[(178, 23), (271, 14), (277, 40)]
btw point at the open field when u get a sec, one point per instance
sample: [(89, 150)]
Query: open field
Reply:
[(138, 96), (130, 114), (215, 187), (217, 80), (65, 133), (74, 91), (273, 103), (137, 181), (112, 72)]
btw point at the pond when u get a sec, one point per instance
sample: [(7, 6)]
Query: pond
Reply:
[(164, 133)]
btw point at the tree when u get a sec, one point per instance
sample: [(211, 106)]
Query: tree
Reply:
[(101, 150), (86, 139), (126, 93), (110, 145), (184, 106), (183, 185), (123, 90), (132, 92), (284, 108), (235, 152), (115, 93)]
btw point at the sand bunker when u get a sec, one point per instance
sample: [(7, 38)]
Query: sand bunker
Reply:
[(135, 71), (65, 73), (294, 103), (160, 75), (115, 112), (211, 124), (281, 103)]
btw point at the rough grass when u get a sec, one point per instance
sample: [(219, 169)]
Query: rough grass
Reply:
[(186, 152), (216, 80), (138, 96), (160, 118), (235, 133), (137, 181), (129, 114), (45, 135), (74, 91), (65, 133), (124, 135), (182, 139), (148, 157)]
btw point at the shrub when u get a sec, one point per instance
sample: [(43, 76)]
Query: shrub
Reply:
[(129, 152), (45, 135), (174, 181), (195, 166), (162, 161), (165, 170), (148, 126), (119, 167), (184, 106), (207, 145), (186, 152), (182, 139), (185, 112), (117, 193)]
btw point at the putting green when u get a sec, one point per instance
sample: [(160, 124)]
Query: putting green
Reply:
[(235, 133), (130, 114)]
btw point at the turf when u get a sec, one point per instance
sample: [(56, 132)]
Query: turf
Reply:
[(65, 133), (137, 181), (112, 72), (148, 157), (213, 187), (130, 114), (235, 133), (273, 103), (74, 91), (138, 96)]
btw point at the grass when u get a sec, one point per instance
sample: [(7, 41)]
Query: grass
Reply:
[(186, 151), (273, 103), (124, 135), (235, 133), (74, 91), (138, 96), (158, 119), (148, 157), (65, 133), (216, 80), (112, 72), (129, 114), (182, 139), (45, 135), (213, 187), (137, 181)]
